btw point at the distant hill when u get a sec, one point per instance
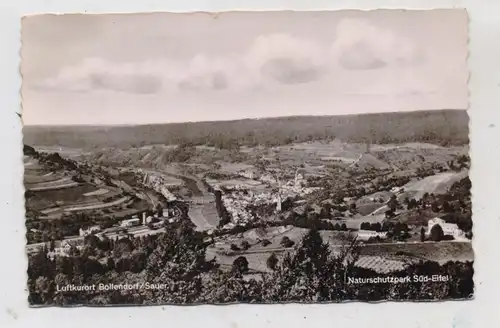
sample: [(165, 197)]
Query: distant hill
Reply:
[(443, 127)]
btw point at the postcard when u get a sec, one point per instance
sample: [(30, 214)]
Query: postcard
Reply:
[(246, 157)]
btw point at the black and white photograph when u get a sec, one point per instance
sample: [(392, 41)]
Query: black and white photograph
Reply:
[(246, 157)]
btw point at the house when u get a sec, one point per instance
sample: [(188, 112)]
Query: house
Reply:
[(367, 234), (300, 210), (131, 222), (157, 225), (63, 249), (449, 229), (90, 230), (397, 190), (249, 173)]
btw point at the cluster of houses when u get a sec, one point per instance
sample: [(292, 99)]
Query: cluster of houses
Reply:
[(64, 249), (449, 229), (241, 195), (155, 220), (161, 184), (369, 234)]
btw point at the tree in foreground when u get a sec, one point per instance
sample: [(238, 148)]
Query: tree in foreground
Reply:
[(287, 242), (272, 261), (422, 234), (436, 233), (178, 261), (240, 265), (310, 272)]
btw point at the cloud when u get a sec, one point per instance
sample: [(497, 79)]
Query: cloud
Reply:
[(275, 59), (361, 46), (97, 74)]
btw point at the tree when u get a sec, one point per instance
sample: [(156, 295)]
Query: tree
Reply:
[(406, 201), (159, 209), (393, 203), (376, 226), (44, 287), (436, 233), (265, 242), (286, 242), (412, 204), (245, 245), (311, 272), (178, 260), (272, 261), (447, 207), (240, 265), (365, 226), (352, 208), (435, 206), (52, 245), (422, 234), (468, 235)]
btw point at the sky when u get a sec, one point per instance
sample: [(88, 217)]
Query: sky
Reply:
[(167, 67)]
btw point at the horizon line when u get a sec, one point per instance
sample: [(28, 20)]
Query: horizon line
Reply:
[(238, 119)]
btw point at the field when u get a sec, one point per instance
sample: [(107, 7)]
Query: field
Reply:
[(54, 192), (382, 258), (439, 252), (436, 184)]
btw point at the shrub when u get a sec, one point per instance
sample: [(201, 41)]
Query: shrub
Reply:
[(265, 242), (287, 242), (240, 265), (245, 245), (272, 261)]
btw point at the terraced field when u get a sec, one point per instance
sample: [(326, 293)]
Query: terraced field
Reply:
[(96, 206), (61, 183), (439, 252), (44, 199), (381, 264), (54, 193)]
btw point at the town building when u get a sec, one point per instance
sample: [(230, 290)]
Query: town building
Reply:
[(367, 234), (63, 249), (131, 222), (90, 230), (449, 229)]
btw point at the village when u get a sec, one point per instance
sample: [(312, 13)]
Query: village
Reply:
[(241, 197)]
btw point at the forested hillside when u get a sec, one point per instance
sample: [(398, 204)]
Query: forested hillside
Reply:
[(444, 127)]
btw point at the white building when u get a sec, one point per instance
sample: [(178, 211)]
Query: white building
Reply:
[(130, 223), (89, 230), (249, 174), (278, 203), (449, 229), (300, 178), (367, 234), (63, 249)]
